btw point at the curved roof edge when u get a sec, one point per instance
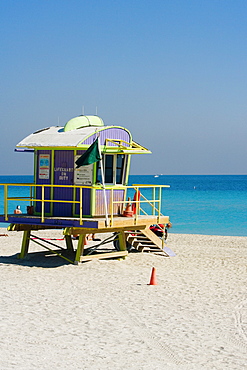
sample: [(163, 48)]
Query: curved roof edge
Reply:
[(83, 121), (105, 128), (55, 137)]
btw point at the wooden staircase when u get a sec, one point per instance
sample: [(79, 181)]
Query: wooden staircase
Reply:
[(145, 241)]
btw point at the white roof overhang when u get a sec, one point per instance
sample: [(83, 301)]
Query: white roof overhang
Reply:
[(53, 137)]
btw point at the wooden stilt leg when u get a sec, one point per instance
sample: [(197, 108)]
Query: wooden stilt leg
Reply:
[(69, 243), (80, 248), (25, 243), (122, 241)]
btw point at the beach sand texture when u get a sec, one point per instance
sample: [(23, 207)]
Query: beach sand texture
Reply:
[(104, 315)]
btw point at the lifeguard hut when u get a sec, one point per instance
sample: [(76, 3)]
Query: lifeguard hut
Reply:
[(81, 185)]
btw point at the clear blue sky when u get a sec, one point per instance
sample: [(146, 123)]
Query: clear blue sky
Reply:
[(173, 72)]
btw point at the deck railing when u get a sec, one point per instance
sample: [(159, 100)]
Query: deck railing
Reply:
[(143, 205)]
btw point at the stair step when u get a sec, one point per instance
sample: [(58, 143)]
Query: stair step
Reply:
[(152, 249), (141, 237), (145, 241), (136, 243), (150, 246), (140, 248), (133, 232), (161, 254), (131, 238)]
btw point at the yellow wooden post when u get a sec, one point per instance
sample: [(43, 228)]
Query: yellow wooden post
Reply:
[(69, 243), (80, 248), (25, 244), (80, 205), (111, 206), (122, 241), (43, 204), (137, 205), (6, 202), (31, 195), (154, 203), (159, 208), (163, 238)]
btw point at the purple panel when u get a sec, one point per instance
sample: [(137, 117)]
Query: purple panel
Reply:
[(118, 195), (86, 206), (110, 133), (63, 175), (37, 205)]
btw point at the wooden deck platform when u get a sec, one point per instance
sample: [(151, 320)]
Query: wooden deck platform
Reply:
[(94, 225)]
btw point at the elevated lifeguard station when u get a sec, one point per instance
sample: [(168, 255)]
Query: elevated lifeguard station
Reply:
[(80, 185)]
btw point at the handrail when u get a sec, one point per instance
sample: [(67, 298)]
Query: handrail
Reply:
[(151, 186), (156, 211), (6, 202)]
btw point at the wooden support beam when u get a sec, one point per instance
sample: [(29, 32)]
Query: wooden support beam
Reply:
[(69, 243), (25, 244), (121, 254), (76, 230), (122, 241), (80, 248)]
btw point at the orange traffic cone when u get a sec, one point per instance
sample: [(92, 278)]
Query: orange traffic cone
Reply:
[(153, 280), (128, 210)]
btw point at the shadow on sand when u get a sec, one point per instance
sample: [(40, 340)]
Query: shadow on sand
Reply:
[(38, 259)]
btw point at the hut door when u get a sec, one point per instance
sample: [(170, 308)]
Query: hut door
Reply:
[(63, 175)]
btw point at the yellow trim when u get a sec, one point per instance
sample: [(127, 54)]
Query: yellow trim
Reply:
[(6, 202), (128, 148), (151, 186)]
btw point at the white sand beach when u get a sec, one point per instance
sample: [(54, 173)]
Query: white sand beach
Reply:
[(104, 315)]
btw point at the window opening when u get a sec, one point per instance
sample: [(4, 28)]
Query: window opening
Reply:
[(114, 169), (108, 169), (119, 168)]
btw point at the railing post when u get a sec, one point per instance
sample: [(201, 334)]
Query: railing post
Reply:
[(31, 195), (154, 202), (137, 205), (6, 202), (80, 205), (42, 204), (112, 206), (159, 208)]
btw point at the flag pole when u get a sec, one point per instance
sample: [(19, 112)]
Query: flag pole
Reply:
[(103, 182)]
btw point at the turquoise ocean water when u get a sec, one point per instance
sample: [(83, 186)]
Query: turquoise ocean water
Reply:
[(196, 204)]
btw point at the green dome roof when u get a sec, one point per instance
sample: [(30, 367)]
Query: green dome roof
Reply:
[(83, 121)]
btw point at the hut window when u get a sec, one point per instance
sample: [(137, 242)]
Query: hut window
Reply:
[(119, 168), (108, 169), (114, 166)]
